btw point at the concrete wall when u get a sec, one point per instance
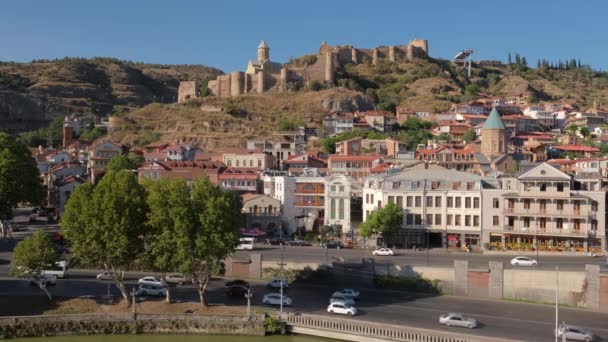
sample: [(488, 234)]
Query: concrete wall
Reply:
[(539, 285), (445, 275)]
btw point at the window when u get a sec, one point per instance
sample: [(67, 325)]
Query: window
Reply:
[(457, 220), (409, 219), (437, 219), (341, 188), (391, 199), (418, 219), (429, 219), (237, 163), (450, 202), (332, 208), (434, 185), (449, 219), (470, 185), (455, 186), (560, 205), (408, 202), (259, 164), (476, 202), (366, 198), (429, 201), (526, 187), (526, 222), (476, 221), (400, 201), (379, 204), (341, 209), (333, 188), (560, 187), (437, 201), (458, 202), (511, 204), (371, 198), (418, 201), (543, 187), (467, 220), (559, 223), (495, 221), (594, 206), (467, 202), (526, 204)]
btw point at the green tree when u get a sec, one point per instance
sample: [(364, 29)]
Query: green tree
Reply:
[(316, 85), (509, 60), (443, 137), (129, 161), (214, 235), (469, 136), (572, 129), (290, 125), (32, 256), (472, 89), (105, 224), (48, 136), (584, 131), (171, 220), (19, 178), (92, 133), (386, 221)]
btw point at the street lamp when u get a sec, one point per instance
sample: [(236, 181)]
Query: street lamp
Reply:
[(282, 281), (536, 240), (248, 295)]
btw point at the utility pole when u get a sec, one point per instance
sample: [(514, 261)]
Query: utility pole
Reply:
[(556, 301), (536, 239), (133, 309), (282, 284), (248, 295)]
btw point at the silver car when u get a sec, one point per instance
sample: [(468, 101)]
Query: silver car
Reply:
[(457, 320), (575, 333)]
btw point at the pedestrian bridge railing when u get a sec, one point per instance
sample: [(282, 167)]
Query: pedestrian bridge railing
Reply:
[(373, 330)]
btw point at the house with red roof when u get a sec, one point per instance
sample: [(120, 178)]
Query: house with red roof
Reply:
[(241, 179), (189, 171), (305, 160), (585, 151)]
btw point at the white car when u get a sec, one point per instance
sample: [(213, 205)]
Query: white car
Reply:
[(151, 290), (383, 252), (458, 320), (342, 308), (45, 280), (150, 281), (176, 278), (575, 333), (277, 283), (275, 299), (342, 299), (347, 293), (104, 276), (523, 261)]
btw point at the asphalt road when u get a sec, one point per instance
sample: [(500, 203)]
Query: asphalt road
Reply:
[(435, 257), (519, 321)]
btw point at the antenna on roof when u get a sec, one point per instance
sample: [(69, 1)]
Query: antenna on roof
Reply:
[(462, 57)]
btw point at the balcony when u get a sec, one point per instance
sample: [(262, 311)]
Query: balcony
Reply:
[(545, 232), (548, 212), (277, 214), (312, 203)]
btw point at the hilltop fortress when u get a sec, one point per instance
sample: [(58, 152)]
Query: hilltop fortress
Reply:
[(263, 75)]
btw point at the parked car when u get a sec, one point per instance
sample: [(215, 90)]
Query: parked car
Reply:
[(342, 308), (274, 242), (383, 252), (45, 280), (341, 299), (457, 320), (104, 276), (523, 261), (150, 281), (333, 245), (347, 293), (236, 291), (151, 290), (275, 299), (277, 283), (575, 333), (299, 243), (176, 278), (237, 282)]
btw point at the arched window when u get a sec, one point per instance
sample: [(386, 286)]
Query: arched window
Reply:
[(341, 209), (332, 209), (255, 209)]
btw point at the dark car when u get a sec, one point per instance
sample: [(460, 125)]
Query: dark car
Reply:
[(236, 291), (237, 282), (274, 242), (299, 243), (333, 245)]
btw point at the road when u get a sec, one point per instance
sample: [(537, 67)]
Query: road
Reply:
[(438, 257), (520, 321)]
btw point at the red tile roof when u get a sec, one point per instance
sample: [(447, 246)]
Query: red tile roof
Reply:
[(576, 148)]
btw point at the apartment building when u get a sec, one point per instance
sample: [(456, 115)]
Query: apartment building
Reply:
[(356, 167), (440, 206), (543, 207), (247, 158)]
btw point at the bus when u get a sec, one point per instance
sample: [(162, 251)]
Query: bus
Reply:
[(58, 270), (245, 243)]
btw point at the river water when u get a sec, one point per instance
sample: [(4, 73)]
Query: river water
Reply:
[(173, 338)]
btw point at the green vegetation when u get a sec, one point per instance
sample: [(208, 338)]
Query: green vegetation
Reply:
[(414, 284), (290, 124), (20, 181), (386, 221), (316, 85), (46, 137), (127, 162), (272, 324), (469, 136), (32, 255), (105, 223), (230, 108), (93, 133)]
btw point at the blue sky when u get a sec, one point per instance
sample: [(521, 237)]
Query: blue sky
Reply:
[(225, 33)]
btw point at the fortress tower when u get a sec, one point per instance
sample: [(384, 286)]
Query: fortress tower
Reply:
[(493, 136), (67, 133), (263, 52)]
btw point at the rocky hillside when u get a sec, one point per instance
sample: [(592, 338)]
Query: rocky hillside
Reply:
[(31, 94)]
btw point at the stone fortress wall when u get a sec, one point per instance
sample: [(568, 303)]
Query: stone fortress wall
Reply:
[(263, 75)]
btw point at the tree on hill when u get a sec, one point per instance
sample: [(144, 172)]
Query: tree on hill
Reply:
[(129, 161), (93, 133), (290, 125), (469, 136), (19, 179), (572, 129), (105, 224), (48, 136), (32, 256), (584, 131), (386, 221)]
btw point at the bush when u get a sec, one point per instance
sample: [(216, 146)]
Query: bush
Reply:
[(414, 284), (272, 324), (316, 85)]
